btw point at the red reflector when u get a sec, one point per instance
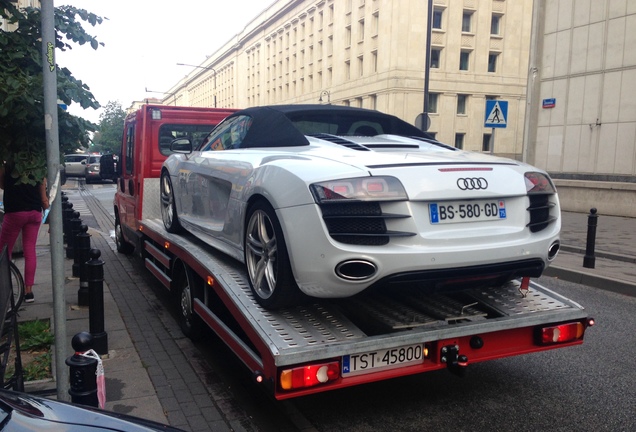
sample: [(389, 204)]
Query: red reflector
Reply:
[(375, 187), (309, 375), (341, 190), (562, 333)]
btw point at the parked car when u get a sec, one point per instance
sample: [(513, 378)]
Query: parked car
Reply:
[(92, 173), (75, 165), (25, 412), (332, 200)]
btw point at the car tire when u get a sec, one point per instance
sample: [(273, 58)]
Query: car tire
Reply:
[(269, 270), (168, 207), (123, 246), (184, 286)]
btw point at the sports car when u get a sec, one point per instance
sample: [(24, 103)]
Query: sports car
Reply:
[(328, 201)]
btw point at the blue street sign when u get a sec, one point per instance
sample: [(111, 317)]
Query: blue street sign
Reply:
[(496, 114)]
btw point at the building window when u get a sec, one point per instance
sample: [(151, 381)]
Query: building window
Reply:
[(467, 20), (461, 103), (435, 56), (495, 22), (375, 23), (485, 145), (459, 140), (347, 70), (464, 60), (432, 102), (347, 36), (360, 65), (437, 18), (492, 62), (374, 61), (361, 30)]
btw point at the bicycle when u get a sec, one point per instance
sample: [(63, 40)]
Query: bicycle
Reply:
[(17, 286)]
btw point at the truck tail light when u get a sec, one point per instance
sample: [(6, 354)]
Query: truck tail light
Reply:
[(562, 333), (309, 375)]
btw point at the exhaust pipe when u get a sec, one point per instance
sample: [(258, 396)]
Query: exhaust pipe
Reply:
[(553, 250), (356, 270)]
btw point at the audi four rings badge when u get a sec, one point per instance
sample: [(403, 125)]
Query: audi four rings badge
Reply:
[(472, 183)]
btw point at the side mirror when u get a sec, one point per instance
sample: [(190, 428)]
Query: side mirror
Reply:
[(181, 145)]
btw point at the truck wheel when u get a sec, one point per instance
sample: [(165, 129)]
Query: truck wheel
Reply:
[(267, 261), (191, 325), (168, 208), (123, 246)]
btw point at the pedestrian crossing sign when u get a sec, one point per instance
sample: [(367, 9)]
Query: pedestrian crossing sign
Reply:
[(496, 114)]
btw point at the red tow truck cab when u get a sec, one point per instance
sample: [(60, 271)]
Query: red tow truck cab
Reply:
[(148, 133)]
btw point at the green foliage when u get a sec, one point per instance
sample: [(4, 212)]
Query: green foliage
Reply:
[(39, 368), (111, 126), (35, 335), (22, 133)]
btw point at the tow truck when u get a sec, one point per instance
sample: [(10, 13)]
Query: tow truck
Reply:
[(324, 344)]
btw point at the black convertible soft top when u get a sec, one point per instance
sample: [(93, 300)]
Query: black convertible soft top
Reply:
[(287, 125)]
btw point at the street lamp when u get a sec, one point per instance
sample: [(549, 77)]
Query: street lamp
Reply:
[(174, 98), (206, 68), (325, 93)]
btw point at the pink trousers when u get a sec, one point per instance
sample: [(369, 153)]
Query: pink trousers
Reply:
[(27, 222)]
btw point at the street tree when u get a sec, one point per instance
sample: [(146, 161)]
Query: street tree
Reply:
[(22, 133), (107, 139)]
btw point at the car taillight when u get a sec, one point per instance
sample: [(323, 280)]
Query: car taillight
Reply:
[(381, 188), (562, 333), (309, 375), (538, 183)]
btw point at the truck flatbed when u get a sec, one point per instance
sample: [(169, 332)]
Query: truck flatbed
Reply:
[(374, 321)]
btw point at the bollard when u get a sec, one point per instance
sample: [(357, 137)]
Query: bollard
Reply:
[(81, 255), (95, 271), (589, 260), (67, 215), (74, 224), (83, 372)]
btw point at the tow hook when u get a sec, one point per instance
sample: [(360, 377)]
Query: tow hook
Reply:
[(455, 361)]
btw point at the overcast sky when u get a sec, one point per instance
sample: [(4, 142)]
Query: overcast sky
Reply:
[(144, 39)]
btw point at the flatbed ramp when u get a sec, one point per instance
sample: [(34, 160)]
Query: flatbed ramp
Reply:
[(373, 321)]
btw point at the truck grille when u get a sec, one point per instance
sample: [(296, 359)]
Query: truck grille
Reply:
[(359, 223)]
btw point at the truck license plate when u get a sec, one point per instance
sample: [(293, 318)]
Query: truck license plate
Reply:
[(467, 211), (354, 364)]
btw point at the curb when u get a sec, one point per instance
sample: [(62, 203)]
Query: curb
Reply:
[(585, 278)]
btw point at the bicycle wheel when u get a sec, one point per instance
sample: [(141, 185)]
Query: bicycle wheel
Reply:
[(17, 286)]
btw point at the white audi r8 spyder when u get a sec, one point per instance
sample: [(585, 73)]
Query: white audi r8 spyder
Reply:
[(331, 200)]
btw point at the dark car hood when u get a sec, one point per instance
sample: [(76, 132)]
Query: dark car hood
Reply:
[(24, 412)]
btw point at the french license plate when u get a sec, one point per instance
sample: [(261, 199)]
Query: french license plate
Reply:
[(372, 361), (467, 211)]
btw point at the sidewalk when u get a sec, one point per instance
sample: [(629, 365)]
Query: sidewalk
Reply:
[(151, 369), (614, 253), (129, 388)]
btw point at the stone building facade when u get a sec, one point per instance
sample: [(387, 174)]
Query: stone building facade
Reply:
[(586, 138), (372, 54)]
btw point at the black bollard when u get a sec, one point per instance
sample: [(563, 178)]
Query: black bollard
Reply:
[(67, 215), (83, 248), (95, 269), (83, 372), (74, 224), (589, 260)]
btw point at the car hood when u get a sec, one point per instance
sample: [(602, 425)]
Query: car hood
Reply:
[(24, 412)]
